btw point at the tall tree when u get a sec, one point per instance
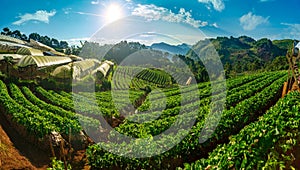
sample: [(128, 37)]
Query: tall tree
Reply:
[(54, 43), (24, 37), (16, 34), (63, 44), (6, 31), (35, 36)]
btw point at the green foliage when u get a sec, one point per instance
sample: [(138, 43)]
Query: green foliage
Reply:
[(58, 165), (34, 123), (63, 125), (279, 63), (241, 54), (243, 107), (264, 144)]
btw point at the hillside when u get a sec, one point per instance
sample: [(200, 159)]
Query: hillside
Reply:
[(173, 49), (246, 54)]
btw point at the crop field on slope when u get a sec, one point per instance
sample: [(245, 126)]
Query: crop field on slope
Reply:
[(42, 111)]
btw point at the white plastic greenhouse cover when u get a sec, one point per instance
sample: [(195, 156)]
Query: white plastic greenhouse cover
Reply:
[(103, 69), (11, 39), (14, 56), (29, 51), (42, 61), (6, 46), (61, 71), (40, 46), (87, 64)]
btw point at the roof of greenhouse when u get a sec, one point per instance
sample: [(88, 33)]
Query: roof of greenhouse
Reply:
[(14, 56), (40, 46), (61, 71), (103, 69), (42, 61), (11, 39), (29, 51), (86, 64)]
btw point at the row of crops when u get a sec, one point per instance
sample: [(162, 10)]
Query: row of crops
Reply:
[(254, 141), (264, 144), (36, 121), (245, 102), (136, 77), (42, 112)]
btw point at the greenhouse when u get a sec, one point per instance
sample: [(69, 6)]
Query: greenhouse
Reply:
[(11, 39), (64, 71), (42, 61), (15, 57), (9, 47), (75, 58), (40, 46), (82, 68), (104, 68), (29, 51)]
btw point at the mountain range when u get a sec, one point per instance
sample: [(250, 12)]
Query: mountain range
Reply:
[(172, 49)]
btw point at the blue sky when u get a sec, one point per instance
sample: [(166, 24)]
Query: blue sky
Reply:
[(151, 21)]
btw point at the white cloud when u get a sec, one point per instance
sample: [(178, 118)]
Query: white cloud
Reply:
[(41, 15), (292, 31), (154, 13), (250, 21), (217, 4), (215, 25), (95, 2), (90, 14)]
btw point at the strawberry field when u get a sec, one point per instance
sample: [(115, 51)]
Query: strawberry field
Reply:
[(254, 130)]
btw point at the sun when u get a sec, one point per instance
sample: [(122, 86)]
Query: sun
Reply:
[(113, 12)]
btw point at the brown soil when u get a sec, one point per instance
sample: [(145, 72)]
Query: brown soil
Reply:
[(17, 153), (10, 157), (79, 161)]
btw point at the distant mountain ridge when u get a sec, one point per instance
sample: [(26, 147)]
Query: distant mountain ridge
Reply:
[(173, 49)]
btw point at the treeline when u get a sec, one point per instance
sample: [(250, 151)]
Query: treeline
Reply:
[(61, 46)]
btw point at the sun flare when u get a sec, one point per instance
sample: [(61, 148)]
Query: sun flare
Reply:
[(113, 13)]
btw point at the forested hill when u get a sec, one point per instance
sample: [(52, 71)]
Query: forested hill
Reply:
[(246, 54)]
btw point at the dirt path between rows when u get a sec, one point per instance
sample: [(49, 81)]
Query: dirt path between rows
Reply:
[(17, 153)]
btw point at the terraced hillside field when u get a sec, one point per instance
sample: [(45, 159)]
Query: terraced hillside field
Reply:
[(40, 112)]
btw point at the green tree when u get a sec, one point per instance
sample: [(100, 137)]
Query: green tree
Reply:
[(35, 36), (6, 31), (54, 43), (63, 44), (16, 34)]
